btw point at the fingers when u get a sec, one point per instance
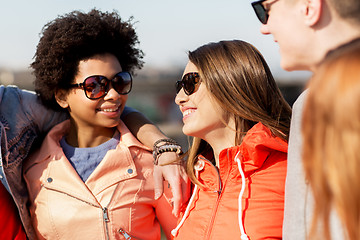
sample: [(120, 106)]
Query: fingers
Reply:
[(175, 176), (186, 188), (176, 188), (158, 182)]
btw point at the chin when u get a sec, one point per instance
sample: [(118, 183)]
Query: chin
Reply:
[(286, 66), (187, 131), (293, 66), (112, 124)]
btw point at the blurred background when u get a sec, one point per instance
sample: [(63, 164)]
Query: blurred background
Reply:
[(167, 30)]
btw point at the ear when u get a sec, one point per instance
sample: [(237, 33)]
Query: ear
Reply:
[(60, 97), (312, 10)]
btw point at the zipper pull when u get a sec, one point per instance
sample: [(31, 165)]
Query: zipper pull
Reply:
[(127, 236), (105, 214)]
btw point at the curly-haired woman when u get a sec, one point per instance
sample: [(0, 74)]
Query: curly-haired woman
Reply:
[(91, 178)]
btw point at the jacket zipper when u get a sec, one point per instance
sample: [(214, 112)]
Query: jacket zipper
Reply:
[(104, 209), (219, 192), (106, 214), (125, 234), (213, 215), (106, 220)]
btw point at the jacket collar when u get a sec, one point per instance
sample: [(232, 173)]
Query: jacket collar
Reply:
[(57, 132), (256, 146), (61, 175)]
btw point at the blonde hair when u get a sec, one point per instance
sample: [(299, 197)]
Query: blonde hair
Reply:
[(347, 9), (240, 81), (331, 130)]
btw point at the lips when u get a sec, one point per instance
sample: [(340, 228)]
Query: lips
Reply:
[(187, 111)]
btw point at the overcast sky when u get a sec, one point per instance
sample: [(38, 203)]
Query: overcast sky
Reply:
[(166, 29)]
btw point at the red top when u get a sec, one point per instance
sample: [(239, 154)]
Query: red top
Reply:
[(10, 224)]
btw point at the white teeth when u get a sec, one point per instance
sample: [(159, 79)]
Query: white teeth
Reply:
[(187, 112), (110, 109)]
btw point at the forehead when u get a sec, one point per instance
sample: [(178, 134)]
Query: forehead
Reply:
[(190, 67), (105, 64)]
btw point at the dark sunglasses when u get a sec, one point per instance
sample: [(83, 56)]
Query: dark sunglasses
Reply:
[(260, 11), (188, 83), (98, 86)]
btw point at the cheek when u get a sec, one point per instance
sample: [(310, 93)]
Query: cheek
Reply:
[(78, 100), (124, 98)]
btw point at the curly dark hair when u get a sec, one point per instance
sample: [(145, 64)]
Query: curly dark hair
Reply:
[(78, 36)]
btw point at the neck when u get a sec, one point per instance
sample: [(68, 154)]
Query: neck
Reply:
[(332, 33), (221, 139), (88, 137), (333, 46)]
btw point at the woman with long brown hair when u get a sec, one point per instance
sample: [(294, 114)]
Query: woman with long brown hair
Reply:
[(239, 122), (331, 130)]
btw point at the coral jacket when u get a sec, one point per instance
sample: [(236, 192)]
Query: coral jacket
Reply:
[(229, 207), (116, 201)]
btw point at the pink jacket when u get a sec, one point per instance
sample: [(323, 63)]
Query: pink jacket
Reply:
[(115, 202), (244, 197)]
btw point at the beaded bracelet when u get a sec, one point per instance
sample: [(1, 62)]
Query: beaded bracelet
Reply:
[(164, 140), (169, 145)]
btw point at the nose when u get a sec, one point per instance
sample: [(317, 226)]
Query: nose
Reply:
[(181, 97), (111, 93), (264, 29)]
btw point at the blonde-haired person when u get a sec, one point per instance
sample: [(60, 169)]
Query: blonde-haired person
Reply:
[(305, 32), (331, 130), (233, 108)]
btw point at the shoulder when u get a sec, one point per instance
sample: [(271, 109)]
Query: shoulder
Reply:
[(25, 107), (16, 114), (296, 118), (17, 97), (299, 104), (128, 139), (50, 146)]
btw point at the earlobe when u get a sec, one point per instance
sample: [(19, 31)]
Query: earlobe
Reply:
[(60, 97), (312, 11)]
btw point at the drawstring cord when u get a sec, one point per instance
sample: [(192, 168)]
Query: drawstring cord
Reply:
[(242, 231)]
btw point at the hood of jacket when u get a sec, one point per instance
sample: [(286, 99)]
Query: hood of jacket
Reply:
[(255, 148)]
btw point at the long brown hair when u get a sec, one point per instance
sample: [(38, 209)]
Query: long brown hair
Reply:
[(240, 81), (331, 131)]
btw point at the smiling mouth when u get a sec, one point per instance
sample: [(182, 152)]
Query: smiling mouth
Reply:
[(188, 112), (109, 109)]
